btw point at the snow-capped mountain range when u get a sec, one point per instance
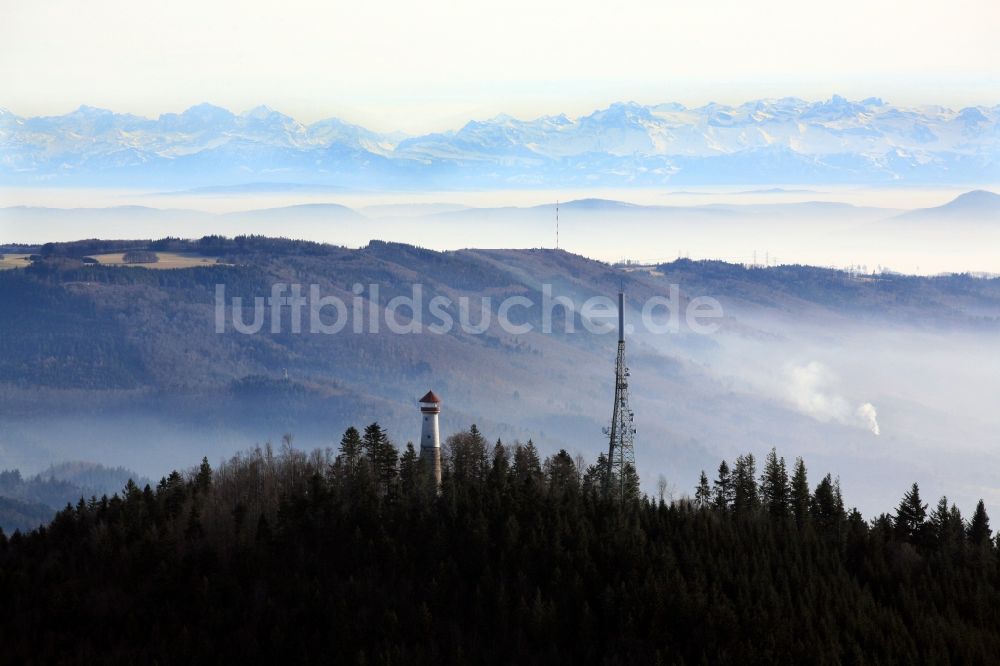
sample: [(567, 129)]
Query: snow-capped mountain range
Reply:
[(784, 140)]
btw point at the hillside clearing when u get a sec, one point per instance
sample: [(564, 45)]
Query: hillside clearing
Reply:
[(13, 261), (165, 260)]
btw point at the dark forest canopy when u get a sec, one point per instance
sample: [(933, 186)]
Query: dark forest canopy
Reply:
[(350, 556)]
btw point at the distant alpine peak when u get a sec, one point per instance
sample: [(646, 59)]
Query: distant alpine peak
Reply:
[(784, 140), (260, 112), (976, 198), (87, 110), (206, 108)]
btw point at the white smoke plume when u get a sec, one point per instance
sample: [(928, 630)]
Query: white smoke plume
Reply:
[(809, 389), (868, 414)]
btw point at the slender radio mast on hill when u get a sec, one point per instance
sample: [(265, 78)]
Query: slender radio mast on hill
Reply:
[(557, 224), (621, 453)]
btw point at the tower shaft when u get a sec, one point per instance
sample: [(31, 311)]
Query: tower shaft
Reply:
[(430, 437), (430, 446), (620, 476)]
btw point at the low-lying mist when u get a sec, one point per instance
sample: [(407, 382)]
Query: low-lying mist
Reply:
[(881, 380), (868, 229)]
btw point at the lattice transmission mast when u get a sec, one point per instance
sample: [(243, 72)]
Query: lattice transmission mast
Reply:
[(621, 452)]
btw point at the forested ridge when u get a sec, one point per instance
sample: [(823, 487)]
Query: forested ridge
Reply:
[(93, 350), (26, 503), (349, 555)]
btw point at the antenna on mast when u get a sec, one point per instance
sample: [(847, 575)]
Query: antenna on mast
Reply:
[(620, 480), (557, 224)]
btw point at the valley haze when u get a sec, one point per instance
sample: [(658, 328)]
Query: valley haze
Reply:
[(851, 244), (957, 231), (891, 374)]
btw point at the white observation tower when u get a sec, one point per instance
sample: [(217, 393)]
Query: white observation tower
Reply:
[(430, 437)]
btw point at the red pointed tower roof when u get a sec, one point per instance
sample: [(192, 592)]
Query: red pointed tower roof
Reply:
[(430, 397)]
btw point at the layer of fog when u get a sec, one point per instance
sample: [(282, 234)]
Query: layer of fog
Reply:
[(231, 202), (793, 226), (879, 404), (876, 404)]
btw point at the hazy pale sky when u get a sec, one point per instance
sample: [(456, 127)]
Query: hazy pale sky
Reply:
[(433, 64)]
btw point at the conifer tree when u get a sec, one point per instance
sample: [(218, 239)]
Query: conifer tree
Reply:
[(466, 454), (372, 439), (477, 436), (723, 488), (799, 493), (408, 469), (500, 466), (774, 490), (351, 449), (745, 494), (946, 525), (940, 520), (593, 478), (884, 525), (911, 514), (827, 508), (527, 467), (174, 493), (382, 455), (957, 524), (703, 494), (204, 478), (979, 526), (560, 471), (838, 498), (630, 485), (132, 491)]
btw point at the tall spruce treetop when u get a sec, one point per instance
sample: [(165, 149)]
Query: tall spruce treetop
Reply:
[(560, 470), (723, 487), (911, 513), (703, 494), (799, 492), (476, 435), (774, 490), (351, 447), (630, 483), (979, 526), (527, 466), (500, 467), (382, 454), (957, 524), (594, 476), (745, 494), (946, 524), (408, 468), (827, 506), (373, 438), (204, 477), (467, 454)]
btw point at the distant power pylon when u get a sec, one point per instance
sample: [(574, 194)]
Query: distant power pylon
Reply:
[(557, 224), (621, 452)]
